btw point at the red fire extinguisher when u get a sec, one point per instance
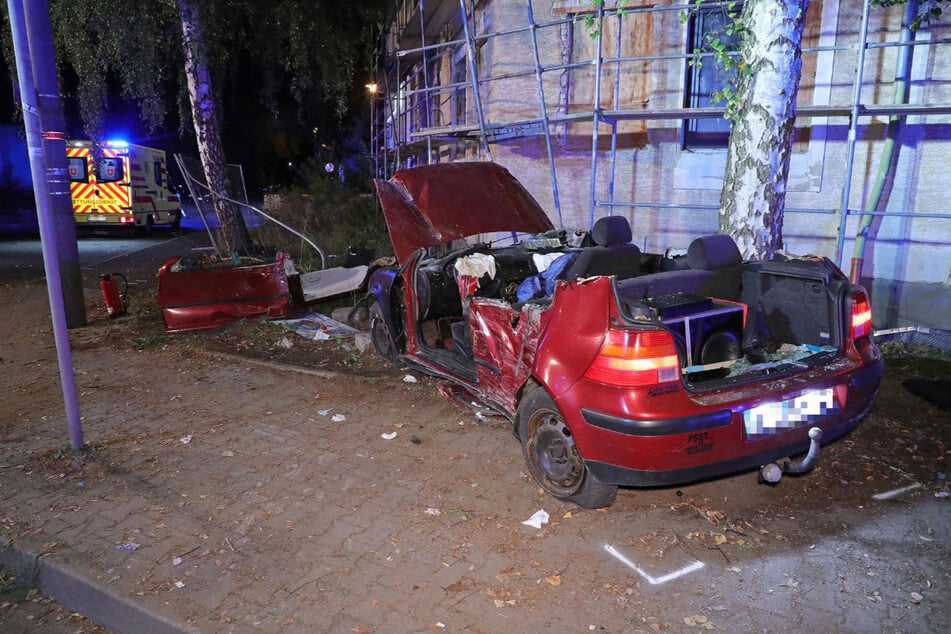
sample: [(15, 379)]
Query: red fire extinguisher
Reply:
[(115, 301)]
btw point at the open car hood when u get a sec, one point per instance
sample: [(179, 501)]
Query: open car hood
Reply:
[(435, 204)]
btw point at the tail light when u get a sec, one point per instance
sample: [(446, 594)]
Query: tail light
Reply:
[(635, 358), (861, 325)]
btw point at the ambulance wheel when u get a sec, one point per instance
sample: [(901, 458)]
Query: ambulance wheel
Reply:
[(552, 456), (177, 221), (146, 229)]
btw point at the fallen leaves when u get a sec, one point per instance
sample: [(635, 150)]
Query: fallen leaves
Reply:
[(698, 620)]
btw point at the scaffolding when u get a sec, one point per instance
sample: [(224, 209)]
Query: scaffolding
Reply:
[(414, 129)]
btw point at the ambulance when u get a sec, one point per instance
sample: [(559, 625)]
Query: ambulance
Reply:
[(120, 184)]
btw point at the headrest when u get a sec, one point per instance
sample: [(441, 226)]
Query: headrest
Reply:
[(713, 252), (611, 230)]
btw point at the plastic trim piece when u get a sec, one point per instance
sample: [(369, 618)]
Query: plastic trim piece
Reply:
[(657, 426)]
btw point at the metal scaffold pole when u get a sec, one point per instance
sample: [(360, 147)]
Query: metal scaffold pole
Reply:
[(473, 73), (544, 108), (427, 94), (853, 125), (596, 113), (615, 105)]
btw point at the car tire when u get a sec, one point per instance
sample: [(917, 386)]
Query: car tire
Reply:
[(380, 334), (553, 458)]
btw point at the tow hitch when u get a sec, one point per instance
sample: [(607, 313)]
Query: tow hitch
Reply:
[(772, 472)]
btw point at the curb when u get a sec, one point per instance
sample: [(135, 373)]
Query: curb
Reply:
[(93, 600)]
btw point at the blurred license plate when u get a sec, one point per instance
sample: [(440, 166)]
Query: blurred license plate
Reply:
[(93, 218), (770, 418)]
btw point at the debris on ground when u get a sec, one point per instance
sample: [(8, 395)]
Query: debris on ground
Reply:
[(128, 546), (537, 519), (317, 327)]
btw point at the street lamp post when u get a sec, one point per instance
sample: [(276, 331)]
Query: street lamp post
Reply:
[(371, 89)]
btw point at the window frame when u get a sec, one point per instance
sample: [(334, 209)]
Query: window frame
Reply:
[(700, 83)]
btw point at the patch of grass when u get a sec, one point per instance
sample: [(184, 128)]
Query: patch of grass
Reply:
[(465, 513), (12, 589), (143, 342), (7, 580), (87, 451)]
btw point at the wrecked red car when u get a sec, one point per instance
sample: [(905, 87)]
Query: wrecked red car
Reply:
[(616, 367)]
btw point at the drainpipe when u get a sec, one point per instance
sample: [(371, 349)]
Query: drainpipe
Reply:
[(891, 147)]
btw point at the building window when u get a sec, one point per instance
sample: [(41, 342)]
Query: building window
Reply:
[(707, 76)]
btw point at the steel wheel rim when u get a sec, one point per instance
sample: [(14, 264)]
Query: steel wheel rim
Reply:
[(380, 335), (552, 454)]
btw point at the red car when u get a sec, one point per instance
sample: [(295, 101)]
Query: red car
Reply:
[(616, 367)]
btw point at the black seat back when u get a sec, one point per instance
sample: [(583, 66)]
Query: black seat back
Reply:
[(613, 255)]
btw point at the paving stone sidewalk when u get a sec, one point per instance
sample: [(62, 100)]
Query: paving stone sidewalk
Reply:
[(221, 496)]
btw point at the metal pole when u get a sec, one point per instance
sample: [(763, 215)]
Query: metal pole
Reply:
[(32, 49), (544, 107), (427, 102), (853, 124), (617, 105), (470, 57), (397, 115), (596, 113), (52, 126)]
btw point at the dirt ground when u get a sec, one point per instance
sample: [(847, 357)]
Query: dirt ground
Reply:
[(424, 532)]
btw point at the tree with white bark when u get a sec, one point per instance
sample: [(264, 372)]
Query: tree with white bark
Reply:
[(204, 108), (763, 112)]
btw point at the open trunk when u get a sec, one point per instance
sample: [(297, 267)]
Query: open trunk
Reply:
[(761, 319)]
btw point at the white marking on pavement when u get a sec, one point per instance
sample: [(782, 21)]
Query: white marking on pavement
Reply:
[(654, 581), (896, 492)]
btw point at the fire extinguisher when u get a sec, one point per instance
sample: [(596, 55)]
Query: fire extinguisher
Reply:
[(115, 301)]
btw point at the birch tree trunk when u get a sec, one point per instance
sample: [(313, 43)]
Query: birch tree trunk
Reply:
[(754, 188), (207, 128)]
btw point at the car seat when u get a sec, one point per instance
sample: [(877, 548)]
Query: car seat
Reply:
[(613, 254)]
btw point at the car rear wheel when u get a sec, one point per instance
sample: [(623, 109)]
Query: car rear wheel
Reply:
[(552, 456)]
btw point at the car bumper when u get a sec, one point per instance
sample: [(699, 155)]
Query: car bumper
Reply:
[(657, 451)]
